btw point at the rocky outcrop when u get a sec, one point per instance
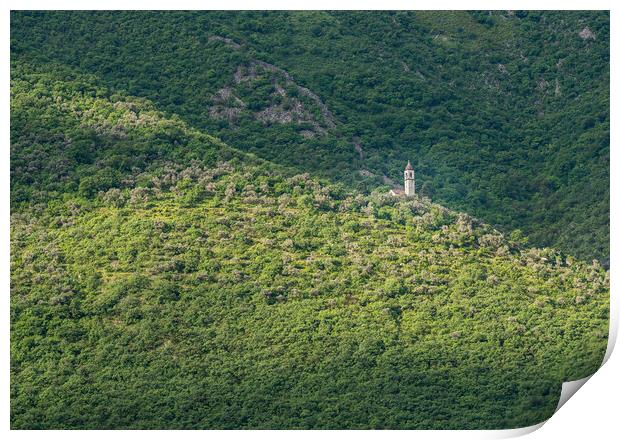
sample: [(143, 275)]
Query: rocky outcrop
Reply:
[(227, 41), (587, 34), (225, 105), (288, 102)]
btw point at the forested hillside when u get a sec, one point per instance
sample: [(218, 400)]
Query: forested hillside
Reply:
[(504, 114), (163, 279)]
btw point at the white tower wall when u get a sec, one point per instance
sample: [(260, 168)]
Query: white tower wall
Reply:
[(409, 183)]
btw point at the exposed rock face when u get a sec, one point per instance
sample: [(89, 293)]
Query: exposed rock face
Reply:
[(245, 73), (360, 151), (542, 85), (389, 181), (587, 34), (366, 173), (227, 41), (281, 115), (287, 102), (226, 105)]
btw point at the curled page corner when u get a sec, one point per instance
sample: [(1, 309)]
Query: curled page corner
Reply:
[(569, 389), (518, 432)]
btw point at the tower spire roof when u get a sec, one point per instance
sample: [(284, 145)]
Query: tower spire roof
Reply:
[(408, 167)]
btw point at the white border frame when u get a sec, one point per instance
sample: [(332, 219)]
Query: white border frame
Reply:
[(591, 412)]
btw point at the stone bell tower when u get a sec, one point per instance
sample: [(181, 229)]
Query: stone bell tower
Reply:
[(409, 180)]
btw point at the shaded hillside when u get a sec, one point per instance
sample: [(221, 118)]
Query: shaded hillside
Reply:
[(504, 114), (161, 279)]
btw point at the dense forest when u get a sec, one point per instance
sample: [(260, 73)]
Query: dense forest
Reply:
[(201, 234), (505, 115)]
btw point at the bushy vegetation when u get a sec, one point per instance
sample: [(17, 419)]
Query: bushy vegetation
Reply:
[(505, 115), (162, 279)]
